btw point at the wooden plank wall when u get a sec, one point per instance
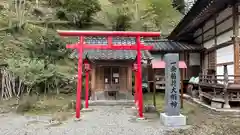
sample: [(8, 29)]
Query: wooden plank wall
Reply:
[(220, 33), (97, 75)]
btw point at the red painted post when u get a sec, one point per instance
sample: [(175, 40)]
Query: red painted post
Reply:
[(79, 84), (139, 79), (86, 90)]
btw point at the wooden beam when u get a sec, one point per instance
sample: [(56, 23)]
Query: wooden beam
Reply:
[(235, 38), (225, 63), (215, 41)]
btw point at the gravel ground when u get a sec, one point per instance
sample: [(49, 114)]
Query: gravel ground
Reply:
[(104, 120)]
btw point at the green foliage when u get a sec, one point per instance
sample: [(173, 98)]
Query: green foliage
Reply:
[(179, 5), (37, 55), (163, 15), (30, 71), (79, 12), (138, 15)]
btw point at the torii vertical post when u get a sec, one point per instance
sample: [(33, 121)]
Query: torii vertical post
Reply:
[(109, 34), (79, 84), (139, 75)]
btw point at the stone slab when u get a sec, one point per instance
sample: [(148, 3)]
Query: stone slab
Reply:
[(216, 104), (111, 102), (172, 86), (173, 121)]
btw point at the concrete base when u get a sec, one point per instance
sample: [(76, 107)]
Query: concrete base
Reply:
[(134, 107), (141, 119), (173, 121), (77, 119), (226, 106)]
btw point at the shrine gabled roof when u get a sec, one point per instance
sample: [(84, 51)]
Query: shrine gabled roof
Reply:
[(201, 11), (162, 45)]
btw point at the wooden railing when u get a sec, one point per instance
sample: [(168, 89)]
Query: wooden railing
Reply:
[(223, 88)]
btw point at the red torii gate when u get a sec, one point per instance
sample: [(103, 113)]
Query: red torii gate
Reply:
[(81, 45)]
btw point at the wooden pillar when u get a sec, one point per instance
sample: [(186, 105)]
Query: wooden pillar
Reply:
[(129, 75), (181, 72), (186, 58), (149, 74), (235, 38), (154, 89), (93, 78), (93, 81)]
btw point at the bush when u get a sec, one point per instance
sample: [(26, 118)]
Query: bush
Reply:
[(27, 104)]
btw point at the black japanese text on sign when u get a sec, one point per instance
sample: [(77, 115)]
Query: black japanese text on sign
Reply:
[(173, 95)]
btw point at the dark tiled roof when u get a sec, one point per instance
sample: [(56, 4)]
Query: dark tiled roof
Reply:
[(172, 46), (116, 40), (115, 55), (112, 54), (202, 10)]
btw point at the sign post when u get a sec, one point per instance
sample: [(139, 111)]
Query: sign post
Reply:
[(172, 116)]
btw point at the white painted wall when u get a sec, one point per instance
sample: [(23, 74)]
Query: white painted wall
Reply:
[(225, 54), (225, 37), (194, 59), (230, 69), (209, 44), (224, 14)]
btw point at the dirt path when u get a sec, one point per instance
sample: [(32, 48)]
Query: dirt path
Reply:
[(105, 120)]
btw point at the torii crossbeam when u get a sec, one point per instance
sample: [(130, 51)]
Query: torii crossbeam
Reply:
[(81, 45)]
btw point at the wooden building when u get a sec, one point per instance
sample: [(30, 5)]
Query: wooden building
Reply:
[(214, 25), (112, 70)]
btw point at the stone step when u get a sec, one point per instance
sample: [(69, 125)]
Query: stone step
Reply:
[(111, 102)]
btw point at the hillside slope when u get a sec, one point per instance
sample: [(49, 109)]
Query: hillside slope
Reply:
[(35, 53)]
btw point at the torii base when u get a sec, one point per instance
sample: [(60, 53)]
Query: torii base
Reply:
[(87, 110), (77, 119), (141, 119)]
